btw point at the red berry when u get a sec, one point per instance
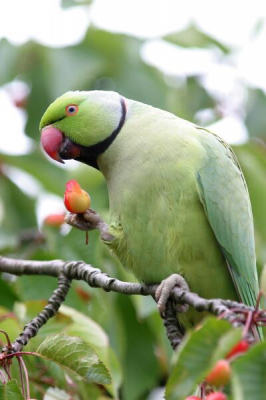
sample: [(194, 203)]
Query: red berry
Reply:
[(83, 294), (220, 374), (239, 348), (20, 103), (54, 220), (216, 396), (76, 199), (193, 398)]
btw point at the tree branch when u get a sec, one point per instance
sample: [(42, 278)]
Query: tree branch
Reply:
[(174, 331), (69, 270), (31, 329), (96, 278)]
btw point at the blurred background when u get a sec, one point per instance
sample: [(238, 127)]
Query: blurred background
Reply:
[(201, 60)]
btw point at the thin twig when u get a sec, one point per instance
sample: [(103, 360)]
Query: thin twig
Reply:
[(31, 329)]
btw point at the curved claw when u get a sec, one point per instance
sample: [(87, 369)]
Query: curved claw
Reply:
[(163, 293), (89, 221), (78, 222)]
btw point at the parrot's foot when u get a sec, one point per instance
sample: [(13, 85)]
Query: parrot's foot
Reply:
[(89, 221), (163, 292)]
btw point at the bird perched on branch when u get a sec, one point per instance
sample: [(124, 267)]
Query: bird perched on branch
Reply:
[(179, 203)]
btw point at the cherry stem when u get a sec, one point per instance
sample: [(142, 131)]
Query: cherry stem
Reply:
[(7, 315), (262, 320), (203, 390), (21, 375), (258, 300), (7, 339), (248, 323), (7, 370), (21, 363), (20, 353), (2, 377), (255, 333)]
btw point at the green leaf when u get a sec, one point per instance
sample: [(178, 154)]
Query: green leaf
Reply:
[(85, 328), (9, 324), (226, 343), (34, 288), (193, 37), (252, 158), (75, 354), (52, 178), (197, 355), (249, 374), (140, 367), (255, 115), (56, 394), (263, 280), (9, 54), (72, 3), (73, 247), (18, 208), (115, 370), (7, 295), (10, 391)]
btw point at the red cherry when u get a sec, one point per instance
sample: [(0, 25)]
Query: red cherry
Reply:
[(54, 220), (216, 396), (193, 398), (76, 200), (239, 348), (20, 103), (220, 374), (84, 295)]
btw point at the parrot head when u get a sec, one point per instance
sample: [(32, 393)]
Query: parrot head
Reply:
[(82, 125)]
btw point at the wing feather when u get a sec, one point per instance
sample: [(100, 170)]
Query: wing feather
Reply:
[(224, 195)]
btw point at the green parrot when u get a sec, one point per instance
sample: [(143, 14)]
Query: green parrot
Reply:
[(178, 199)]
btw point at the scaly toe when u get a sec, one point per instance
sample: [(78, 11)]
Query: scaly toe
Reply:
[(78, 222), (163, 293)]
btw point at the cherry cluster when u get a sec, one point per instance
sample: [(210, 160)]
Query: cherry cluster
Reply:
[(220, 375)]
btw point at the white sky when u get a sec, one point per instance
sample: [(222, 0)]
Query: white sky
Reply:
[(232, 22), (43, 21), (227, 20)]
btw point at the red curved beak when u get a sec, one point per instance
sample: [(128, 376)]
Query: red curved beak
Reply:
[(52, 139)]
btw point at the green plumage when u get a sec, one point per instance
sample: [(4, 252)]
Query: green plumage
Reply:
[(178, 198)]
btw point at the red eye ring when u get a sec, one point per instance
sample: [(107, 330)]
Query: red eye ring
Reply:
[(71, 110)]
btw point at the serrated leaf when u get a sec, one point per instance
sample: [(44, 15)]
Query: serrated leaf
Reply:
[(75, 354), (86, 328), (249, 374), (92, 333), (197, 354), (56, 394), (10, 391)]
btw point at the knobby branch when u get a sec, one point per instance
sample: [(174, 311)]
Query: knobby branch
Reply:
[(66, 271)]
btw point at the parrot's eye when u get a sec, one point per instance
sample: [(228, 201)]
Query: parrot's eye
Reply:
[(72, 109)]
